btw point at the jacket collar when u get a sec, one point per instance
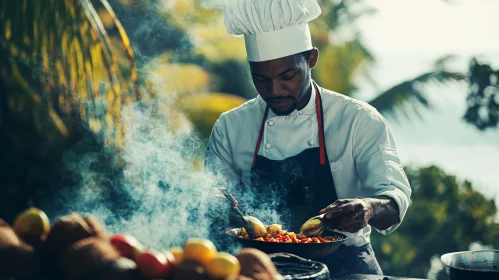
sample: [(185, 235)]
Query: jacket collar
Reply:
[(309, 108)]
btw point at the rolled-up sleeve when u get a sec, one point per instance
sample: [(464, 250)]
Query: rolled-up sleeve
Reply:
[(377, 162), (218, 157)]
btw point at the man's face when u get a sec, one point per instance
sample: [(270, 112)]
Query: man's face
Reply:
[(283, 82)]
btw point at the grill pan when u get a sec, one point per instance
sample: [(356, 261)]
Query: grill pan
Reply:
[(305, 250), (482, 265)]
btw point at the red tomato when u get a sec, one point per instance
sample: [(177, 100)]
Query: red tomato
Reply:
[(322, 240), (278, 236), (304, 240), (294, 240), (283, 238), (127, 245), (153, 264), (267, 239)]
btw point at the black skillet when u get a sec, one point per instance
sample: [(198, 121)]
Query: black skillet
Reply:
[(304, 250), (312, 251)]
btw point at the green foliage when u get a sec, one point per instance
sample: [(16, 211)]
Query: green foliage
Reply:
[(204, 109), (64, 74), (483, 99), (409, 96), (68, 68), (445, 216), (339, 66)]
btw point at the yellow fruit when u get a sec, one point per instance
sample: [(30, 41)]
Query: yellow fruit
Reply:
[(199, 250), (32, 222), (178, 253), (223, 265)]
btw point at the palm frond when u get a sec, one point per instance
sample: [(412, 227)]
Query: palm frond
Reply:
[(61, 66), (409, 97)]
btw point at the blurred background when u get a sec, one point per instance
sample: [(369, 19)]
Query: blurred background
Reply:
[(100, 96)]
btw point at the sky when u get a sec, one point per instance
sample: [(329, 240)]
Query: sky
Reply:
[(406, 37)]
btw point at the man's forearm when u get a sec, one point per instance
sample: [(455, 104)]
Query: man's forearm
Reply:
[(385, 212)]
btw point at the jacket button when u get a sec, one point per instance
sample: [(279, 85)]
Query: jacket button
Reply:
[(268, 145), (310, 142), (271, 123), (305, 189)]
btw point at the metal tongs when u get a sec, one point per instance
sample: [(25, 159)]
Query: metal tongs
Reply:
[(253, 226)]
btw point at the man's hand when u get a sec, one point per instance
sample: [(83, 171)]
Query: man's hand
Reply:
[(350, 215)]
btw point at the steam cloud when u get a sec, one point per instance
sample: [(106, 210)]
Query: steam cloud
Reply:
[(159, 198), (151, 189)]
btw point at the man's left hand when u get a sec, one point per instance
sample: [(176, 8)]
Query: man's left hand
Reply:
[(349, 215)]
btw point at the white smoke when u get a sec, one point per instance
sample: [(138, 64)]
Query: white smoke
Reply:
[(152, 191), (153, 188)]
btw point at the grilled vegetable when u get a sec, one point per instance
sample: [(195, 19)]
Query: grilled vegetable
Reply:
[(255, 226), (277, 235), (313, 226)]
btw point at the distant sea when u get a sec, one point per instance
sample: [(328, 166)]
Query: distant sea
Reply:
[(441, 136)]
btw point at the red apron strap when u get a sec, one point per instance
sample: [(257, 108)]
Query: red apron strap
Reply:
[(260, 135), (318, 110)]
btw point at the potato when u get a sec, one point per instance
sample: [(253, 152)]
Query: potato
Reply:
[(301, 236), (255, 264), (189, 270), (7, 236), (66, 231), (85, 256), (19, 261), (119, 269), (274, 229)]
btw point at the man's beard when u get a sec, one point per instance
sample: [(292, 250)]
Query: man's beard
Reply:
[(287, 112), (292, 107)]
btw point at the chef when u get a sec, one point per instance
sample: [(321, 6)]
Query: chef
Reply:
[(303, 150)]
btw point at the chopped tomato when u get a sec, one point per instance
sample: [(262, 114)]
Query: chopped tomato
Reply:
[(294, 240), (278, 236), (304, 240), (322, 240)]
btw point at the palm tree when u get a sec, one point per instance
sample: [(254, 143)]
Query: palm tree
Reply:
[(347, 58), (409, 96), (64, 73)]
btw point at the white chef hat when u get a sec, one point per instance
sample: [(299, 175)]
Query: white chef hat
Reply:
[(271, 28)]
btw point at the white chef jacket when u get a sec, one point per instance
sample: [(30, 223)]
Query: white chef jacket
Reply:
[(360, 147)]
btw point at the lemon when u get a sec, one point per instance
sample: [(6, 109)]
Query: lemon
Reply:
[(223, 265), (178, 253), (199, 250), (32, 222)]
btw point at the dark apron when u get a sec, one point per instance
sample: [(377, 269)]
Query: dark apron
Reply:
[(299, 187)]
